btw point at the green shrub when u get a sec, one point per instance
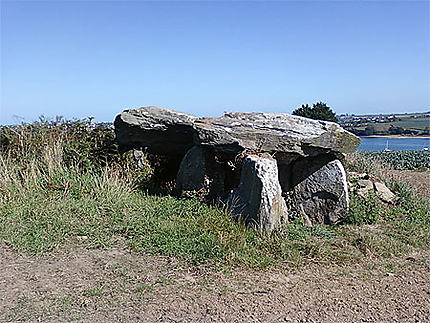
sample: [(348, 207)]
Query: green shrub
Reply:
[(318, 111), (78, 144), (364, 210), (403, 192)]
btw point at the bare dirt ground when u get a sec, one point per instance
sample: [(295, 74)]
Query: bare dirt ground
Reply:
[(115, 285)]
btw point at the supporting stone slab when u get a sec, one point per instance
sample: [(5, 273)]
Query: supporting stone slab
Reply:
[(199, 170), (258, 199), (320, 190)]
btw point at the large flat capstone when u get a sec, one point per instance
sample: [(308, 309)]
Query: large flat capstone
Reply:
[(166, 131), (274, 132)]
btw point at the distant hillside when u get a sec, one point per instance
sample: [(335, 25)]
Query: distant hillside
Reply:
[(410, 124)]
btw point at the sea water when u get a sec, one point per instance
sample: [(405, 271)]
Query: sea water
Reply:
[(381, 143)]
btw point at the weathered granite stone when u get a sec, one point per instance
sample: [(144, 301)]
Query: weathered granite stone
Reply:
[(384, 193), (320, 190), (273, 132), (365, 186), (192, 170), (258, 199), (161, 131), (164, 131)]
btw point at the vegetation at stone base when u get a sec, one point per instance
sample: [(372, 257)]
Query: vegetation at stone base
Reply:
[(402, 159), (78, 144), (364, 210), (361, 163), (48, 199), (408, 221), (318, 111)]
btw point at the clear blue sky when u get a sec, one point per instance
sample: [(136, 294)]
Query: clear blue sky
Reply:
[(82, 58)]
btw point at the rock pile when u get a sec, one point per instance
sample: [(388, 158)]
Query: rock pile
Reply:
[(364, 185), (269, 166)]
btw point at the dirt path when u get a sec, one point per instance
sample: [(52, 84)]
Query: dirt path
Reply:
[(115, 285)]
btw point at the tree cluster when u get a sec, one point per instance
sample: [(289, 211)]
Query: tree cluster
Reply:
[(318, 111)]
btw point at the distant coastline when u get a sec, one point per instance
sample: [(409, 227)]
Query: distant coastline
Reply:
[(396, 137), (396, 126)]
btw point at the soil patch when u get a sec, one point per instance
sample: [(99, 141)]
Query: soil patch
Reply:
[(115, 285)]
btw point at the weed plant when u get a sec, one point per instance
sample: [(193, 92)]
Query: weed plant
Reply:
[(364, 210)]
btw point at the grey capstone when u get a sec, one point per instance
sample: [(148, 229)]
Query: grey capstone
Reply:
[(274, 132)]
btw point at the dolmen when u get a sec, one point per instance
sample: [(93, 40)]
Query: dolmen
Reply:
[(269, 167)]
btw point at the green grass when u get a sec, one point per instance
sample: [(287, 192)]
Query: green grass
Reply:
[(364, 210), (36, 217), (44, 212), (46, 203)]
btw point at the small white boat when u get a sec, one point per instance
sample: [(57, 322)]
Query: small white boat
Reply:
[(386, 147)]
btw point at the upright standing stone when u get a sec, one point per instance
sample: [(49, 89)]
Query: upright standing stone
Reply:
[(192, 170), (198, 170), (258, 199), (320, 190)]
